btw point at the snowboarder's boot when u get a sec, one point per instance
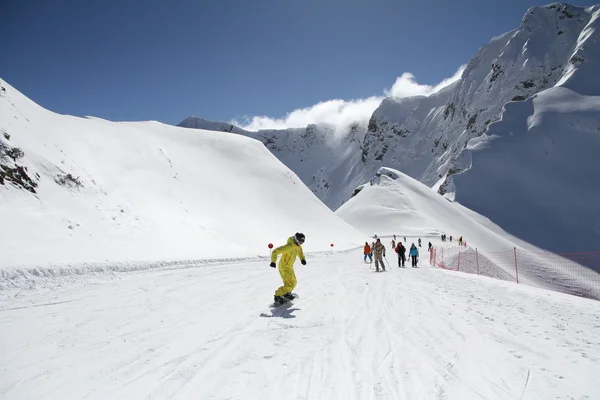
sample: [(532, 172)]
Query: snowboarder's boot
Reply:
[(279, 300), (288, 296)]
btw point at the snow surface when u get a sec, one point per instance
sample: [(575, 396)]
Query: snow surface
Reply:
[(398, 204), (209, 333), (145, 191)]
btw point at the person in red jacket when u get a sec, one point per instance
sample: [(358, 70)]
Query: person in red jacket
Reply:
[(368, 253)]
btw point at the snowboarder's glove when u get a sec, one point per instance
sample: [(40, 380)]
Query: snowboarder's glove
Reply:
[(272, 265), (303, 262)]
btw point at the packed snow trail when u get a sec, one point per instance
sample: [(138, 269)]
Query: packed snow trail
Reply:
[(210, 333)]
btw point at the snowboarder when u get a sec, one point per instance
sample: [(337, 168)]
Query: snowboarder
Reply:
[(368, 253), (401, 250), (419, 242), (288, 252), (379, 252), (414, 255)]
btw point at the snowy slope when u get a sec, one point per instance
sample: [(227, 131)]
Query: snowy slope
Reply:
[(353, 334), (89, 190), (327, 159), (400, 205), (539, 163)]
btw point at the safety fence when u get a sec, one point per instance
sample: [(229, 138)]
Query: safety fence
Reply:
[(573, 273)]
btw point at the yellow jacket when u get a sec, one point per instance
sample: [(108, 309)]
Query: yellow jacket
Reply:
[(288, 252)]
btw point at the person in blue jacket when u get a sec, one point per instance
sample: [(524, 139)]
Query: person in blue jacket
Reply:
[(414, 255)]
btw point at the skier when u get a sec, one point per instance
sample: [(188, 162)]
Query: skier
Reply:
[(401, 250), (450, 238), (460, 241), (414, 254), (404, 239), (368, 253), (430, 247), (393, 243), (288, 252), (379, 252), (419, 242)]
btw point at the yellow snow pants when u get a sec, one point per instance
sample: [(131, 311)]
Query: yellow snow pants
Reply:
[(289, 279)]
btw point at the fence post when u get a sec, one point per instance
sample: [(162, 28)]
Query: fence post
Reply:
[(477, 260), (458, 261), (516, 268)]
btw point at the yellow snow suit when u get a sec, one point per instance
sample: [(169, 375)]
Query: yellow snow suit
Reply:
[(288, 252)]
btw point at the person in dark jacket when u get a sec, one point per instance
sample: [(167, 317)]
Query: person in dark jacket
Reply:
[(401, 250)]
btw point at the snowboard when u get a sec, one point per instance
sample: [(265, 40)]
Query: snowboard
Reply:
[(277, 304)]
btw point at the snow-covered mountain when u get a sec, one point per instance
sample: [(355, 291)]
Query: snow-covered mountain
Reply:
[(89, 190), (426, 136), (533, 172), (545, 49)]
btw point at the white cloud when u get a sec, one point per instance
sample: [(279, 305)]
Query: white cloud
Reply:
[(406, 85), (337, 112), (342, 113)]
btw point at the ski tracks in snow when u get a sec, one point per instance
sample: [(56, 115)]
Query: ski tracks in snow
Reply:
[(209, 333)]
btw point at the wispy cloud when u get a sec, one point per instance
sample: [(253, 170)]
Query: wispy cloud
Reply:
[(342, 113), (406, 85)]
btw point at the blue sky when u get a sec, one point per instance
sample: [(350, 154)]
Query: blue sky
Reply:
[(222, 60)]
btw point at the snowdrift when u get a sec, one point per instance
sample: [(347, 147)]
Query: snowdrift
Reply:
[(88, 190)]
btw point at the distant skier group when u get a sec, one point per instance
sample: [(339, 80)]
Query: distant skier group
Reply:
[(377, 249), (461, 242)]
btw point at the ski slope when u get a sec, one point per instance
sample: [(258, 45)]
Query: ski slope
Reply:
[(209, 333), (112, 192), (398, 204)]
